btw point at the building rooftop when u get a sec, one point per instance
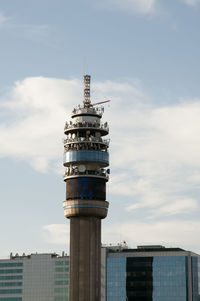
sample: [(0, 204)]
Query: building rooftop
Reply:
[(29, 256), (145, 248)]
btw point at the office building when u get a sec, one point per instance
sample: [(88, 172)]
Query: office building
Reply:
[(86, 158), (150, 273), (36, 277)]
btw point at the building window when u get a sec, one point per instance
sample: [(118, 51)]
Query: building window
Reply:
[(86, 155), (170, 278), (10, 291), (11, 299), (61, 263), (196, 278), (61, 282), (10, 284), (11, 264), (11, 271), (116, 279), (62, 276), (62, 269), (16, 277), (63, 290)]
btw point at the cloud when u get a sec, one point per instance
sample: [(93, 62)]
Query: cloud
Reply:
[(56, 234), (37, 109), (38, 33), (192, 2), (157, 153), (132, 6), (172, 233), (3, 18), (154, 150), (177, 207), (170, 208)]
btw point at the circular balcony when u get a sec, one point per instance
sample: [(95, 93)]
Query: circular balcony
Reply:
[(81, 111), (87, 140), (91, 143), (75, 173), (85, 126)]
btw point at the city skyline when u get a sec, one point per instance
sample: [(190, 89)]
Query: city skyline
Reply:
[(144, 56)]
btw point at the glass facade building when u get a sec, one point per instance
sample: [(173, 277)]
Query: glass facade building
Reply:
[(169, 278), (151, 274), (196, 278), (116, 279)]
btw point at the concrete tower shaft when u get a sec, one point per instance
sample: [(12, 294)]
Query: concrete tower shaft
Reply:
[(86, 160)]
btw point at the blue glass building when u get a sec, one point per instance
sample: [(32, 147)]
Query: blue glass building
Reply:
[(151, 273)]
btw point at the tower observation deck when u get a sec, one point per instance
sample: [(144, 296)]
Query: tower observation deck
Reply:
[(86, 159)]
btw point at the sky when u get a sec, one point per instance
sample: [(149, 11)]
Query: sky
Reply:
[(141, 54)]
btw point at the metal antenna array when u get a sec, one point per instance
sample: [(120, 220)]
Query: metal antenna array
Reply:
[(86, 91)]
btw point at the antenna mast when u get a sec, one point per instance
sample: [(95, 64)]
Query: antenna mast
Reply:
[(86, 101)]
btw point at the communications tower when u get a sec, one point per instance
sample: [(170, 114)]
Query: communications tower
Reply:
[(86, 160)]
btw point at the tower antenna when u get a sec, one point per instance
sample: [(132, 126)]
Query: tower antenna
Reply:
[(86, 101)]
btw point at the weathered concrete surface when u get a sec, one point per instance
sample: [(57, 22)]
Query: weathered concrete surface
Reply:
[(85, 259)]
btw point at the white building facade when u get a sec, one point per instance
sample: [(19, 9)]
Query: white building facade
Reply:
[(36, 277)]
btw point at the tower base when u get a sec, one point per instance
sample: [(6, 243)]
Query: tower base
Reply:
[(85, 259)]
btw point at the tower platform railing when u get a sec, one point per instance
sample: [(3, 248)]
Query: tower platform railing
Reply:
[(86, 140), (91, 173), (103, 126)]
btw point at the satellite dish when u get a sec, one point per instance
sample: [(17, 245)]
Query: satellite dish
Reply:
[(81, 168)]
